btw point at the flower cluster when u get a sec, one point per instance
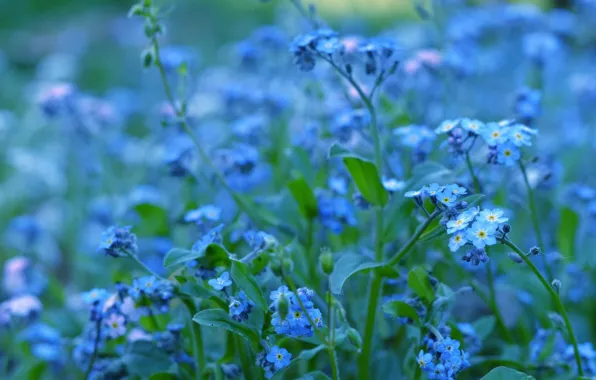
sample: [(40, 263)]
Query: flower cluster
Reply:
[(377, 55), (474, 227), (296, 323), (271, 362), (159, 291), (444, 360), (444, 195), (118, 241), (504, 138)]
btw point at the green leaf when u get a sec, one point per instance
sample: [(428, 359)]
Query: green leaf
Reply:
[(347, 266), (567, 233), (400, 309), (244, 279), (144, 358), (210, 255), (505, 373), (443, 303), (153, 220), (219, 318), (419, 282), (337, 150), (484, 326), (304, 196), (365, 174)]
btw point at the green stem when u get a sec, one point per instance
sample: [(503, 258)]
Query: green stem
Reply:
[(181, 114), (406, 248), (492, 303), (310, 253), (369, 329), (535, 220), (197, 338), (145, 267), (555, 298), (471, 170)]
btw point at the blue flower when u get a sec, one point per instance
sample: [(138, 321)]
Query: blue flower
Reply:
[(456, 189), (424, 359), (446, 197), (446, 126), (457, 241), (328, 46), (240, 307), (521, 135), (220, 282), (494, 216), (432, 189), (482, 234), (392, 185), (508, 154), (462, 221), (414, 193), (118, 241), (473, 126), (279, 357), (493, 134), (95, 295), (277, 294)]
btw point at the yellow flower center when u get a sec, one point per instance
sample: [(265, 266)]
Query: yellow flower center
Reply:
[(507, 153), (491, 218), (279, 356), (496, 134), (482, 234)]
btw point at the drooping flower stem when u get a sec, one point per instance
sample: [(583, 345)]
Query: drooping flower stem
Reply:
[(556, 299), (535, 219)]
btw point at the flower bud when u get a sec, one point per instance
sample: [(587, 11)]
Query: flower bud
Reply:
[(326, 260), (283, 306), (534, 251), (556, 284), (148, 57), (515, 257), (506, 228), (276, 268), (354, 338), (461, 205), (287, 265)]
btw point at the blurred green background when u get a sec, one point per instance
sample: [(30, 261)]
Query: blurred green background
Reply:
[(98, 33)]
